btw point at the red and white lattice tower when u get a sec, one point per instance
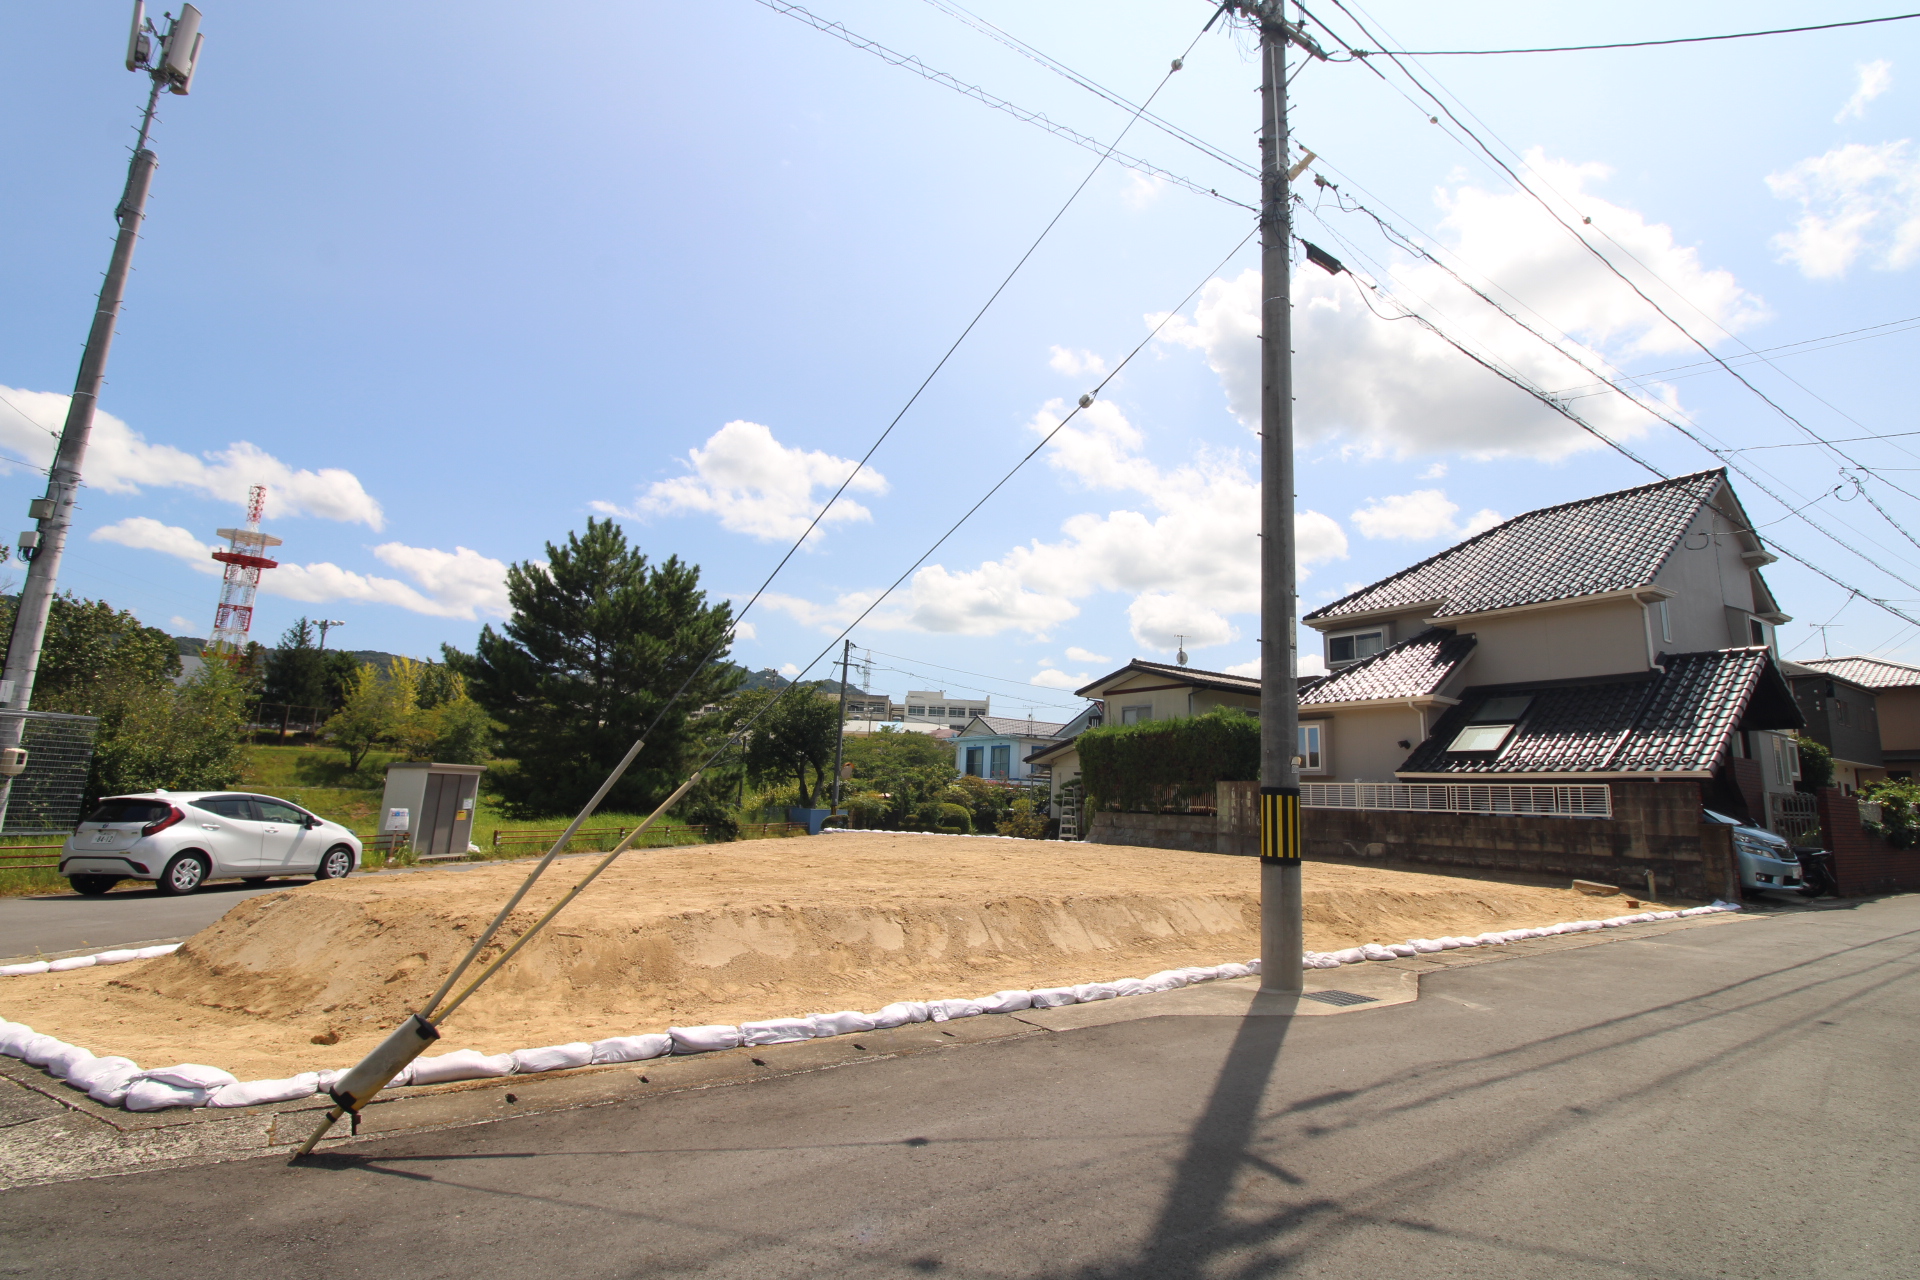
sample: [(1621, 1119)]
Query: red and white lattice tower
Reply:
[(234, 618)]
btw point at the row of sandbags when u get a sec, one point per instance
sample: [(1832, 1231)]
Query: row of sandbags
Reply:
[(86, 962), (1500, 937), (120, 1082)]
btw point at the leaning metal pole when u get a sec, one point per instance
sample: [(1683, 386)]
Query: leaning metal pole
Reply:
[(63, 478), (1281, 938)]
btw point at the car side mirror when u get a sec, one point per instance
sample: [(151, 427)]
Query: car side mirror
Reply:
[(312, 822)]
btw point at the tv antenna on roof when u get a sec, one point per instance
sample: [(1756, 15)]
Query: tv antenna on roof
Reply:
[(1181, 656), (1822, 628)]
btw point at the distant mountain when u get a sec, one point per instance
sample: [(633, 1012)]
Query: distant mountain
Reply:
[(768, 678)]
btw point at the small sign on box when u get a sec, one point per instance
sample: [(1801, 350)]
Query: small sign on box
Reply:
[(397, 820)]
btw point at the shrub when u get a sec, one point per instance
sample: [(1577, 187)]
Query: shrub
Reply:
[(1022, 821), (1897, 799), (1168, 762), (955, 818), (1816, 764)]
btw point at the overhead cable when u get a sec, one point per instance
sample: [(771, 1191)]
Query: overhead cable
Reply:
[(909, 62), (1634, 44)]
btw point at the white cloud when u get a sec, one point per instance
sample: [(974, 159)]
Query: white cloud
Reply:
[(1190, 560), (1856, 201), (1437, 471), (1251, 667), (1874, 79), (1074, 363), (1417, 516), (1078, 654), (789, 670), (1386, 387), (1051, 679), (1142, 190), (120, 460), (184, 625), (1307, 664), (745, 631), (446, 584), (757, 486)]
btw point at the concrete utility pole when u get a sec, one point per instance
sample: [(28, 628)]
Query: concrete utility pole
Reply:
[(1281, 937), (840, 740), (41, 547)]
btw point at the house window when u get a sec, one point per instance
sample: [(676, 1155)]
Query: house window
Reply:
[(1842, 713), (916, 711), (975, 755), (1136, 715), (956, 711), (1312, 756), (1352, 648), (978, 711), (936, 711), (1002, 761), (1492, 723)]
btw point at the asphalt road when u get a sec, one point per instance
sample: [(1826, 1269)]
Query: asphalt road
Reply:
[(1732, 1101), (55, 922)]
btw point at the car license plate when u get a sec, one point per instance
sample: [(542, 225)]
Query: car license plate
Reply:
[(105, 837)]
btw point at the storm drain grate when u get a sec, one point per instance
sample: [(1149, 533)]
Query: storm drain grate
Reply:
[(1340, 997)]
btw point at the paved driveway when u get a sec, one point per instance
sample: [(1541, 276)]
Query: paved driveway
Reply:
[(57, 922)]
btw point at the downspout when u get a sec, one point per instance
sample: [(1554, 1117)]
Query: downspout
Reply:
[(1646, 616)]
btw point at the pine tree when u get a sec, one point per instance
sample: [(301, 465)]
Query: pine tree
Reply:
[(598, 641)]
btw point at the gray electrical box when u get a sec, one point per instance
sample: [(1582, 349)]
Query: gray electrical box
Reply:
[(438, 802)]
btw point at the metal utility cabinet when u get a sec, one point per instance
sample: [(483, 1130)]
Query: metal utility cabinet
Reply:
[(438, 800)]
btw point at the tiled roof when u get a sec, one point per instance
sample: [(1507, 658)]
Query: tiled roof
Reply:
[(1410, 669), (1874, 673), (1016, 727), (1610, 543), (1199, 679), (1672, 723)]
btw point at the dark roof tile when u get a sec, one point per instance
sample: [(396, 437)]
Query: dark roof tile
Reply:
[(1410, 669), (1874, 673)]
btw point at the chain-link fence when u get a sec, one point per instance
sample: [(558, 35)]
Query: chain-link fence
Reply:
[(45, 800)]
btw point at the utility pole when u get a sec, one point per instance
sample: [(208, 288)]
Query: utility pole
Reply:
[(840, 739), (326, 625), (1282, 940), (42, 546)]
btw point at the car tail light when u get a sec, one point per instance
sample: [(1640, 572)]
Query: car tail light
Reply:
[(161, 824)]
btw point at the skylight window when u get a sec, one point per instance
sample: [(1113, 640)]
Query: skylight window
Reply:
[(1480, 737), (1503, 710)]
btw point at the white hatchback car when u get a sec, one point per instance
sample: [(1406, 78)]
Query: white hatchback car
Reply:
[(181, 839)]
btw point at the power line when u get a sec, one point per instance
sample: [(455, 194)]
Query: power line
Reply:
[(909, 62), (1632, 44), (1827, 342)]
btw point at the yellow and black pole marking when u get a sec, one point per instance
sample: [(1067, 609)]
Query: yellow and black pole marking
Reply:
[(1279, 824)]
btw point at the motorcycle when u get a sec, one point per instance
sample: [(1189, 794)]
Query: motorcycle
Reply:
[(1816, 872)]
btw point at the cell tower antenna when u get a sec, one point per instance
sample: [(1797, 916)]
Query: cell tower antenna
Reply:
[(234, 618)]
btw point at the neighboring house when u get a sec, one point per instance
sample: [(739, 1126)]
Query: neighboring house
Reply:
[(1896, 690), (1842, 715), (998, 747), (1136, 693), (1524, 651), (923, 706)]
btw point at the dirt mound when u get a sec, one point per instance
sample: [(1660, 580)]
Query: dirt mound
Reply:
[(719, 934)]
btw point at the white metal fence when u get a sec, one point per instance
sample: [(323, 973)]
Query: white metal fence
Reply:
[(1794, 815), (1585, 800), (46, 798)]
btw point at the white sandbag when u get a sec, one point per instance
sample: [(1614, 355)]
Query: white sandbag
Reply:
[(1403, 949), (157, 1095), (704, 1039), (109, 1079), (1052, 997), (13, 1035), (1666, 915), (1234, 971), (1129, 987), (190, 1075), (1088, 992), (899, 1014), (1613, 923), (329, 1078), (71, 963), (942, 1010), (1201, 973), (1348, 955), (1165, 980), (844, 1023), (22, 970), (632, 1048), (776, 1031), (69, 1060), (1253, 966), (1724, 905), (1425, 946), (82, 1077), (154, 953), (1319, 961), (1005, 1002), (116, 957), (552, 1057), (461, 1064), (1374, 951), (36, 1049), (254, 1093)]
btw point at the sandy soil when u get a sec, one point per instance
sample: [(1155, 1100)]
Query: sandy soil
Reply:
[(312, 977)]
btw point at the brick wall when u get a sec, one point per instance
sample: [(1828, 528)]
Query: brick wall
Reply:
[(1656, 827), (1862, 861)]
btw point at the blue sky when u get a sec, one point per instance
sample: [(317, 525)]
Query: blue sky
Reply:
[(451, 280)]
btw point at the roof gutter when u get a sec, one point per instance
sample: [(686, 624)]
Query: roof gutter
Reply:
[(1648, 598), (1426, 700), (1563, 779)]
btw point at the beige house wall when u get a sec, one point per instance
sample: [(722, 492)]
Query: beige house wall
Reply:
[(1362, 744), (1607, 637), (1899, 719), (1708, 577)]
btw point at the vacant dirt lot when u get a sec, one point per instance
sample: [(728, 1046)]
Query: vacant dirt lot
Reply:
[(720, 933)]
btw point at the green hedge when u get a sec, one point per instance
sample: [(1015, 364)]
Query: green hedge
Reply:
[(1166, 762)]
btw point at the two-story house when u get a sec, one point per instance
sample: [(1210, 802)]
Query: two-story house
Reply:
[(1843, 716), (1629, 635), (1896, 700), (999, 747)]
